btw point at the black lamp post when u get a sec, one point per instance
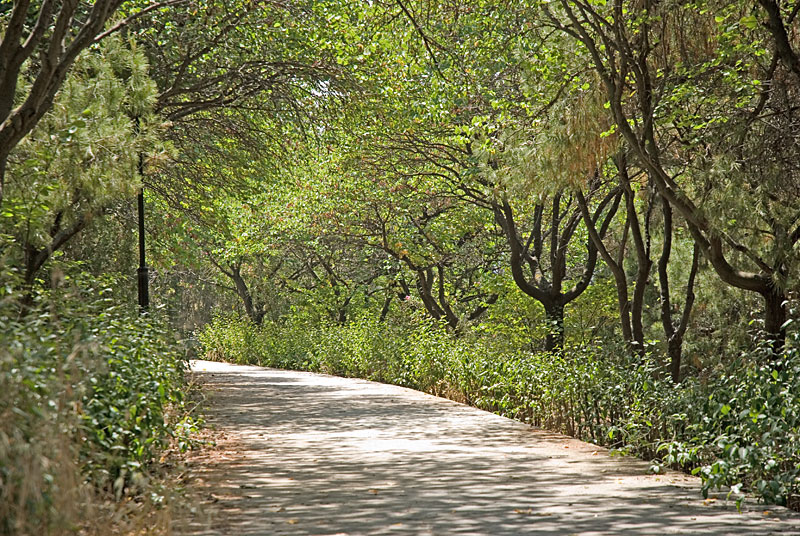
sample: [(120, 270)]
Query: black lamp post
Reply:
[(142, 274)]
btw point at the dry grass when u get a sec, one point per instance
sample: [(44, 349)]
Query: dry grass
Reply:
[(43, 493)]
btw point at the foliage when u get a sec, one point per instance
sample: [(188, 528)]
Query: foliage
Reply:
[(91, 392), (81, 159), (353, 175), (744, 431)]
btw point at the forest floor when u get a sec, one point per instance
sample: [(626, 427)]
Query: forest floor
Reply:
[(301, 453)]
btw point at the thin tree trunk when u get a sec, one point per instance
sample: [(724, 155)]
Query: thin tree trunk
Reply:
[(387, 303), (3, 166), (616, 267), (673, 333), (257, 317)]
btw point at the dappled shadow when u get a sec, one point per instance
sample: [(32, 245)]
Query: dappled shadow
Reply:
[(315, 454)]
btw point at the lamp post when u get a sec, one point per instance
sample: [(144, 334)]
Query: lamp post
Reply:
[(142, 274)]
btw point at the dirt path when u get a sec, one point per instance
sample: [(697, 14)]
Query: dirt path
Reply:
[(311, 454)]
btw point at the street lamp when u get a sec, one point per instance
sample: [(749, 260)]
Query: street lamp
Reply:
[(142, 274)]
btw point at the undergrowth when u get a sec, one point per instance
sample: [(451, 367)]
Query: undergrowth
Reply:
[(737, 429), (91, 396)]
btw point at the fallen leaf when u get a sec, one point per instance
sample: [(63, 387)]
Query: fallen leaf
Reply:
[(292, 521), (373, 491), (520, 511)]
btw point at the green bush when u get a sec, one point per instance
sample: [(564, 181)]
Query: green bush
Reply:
[(742, 429), (90, 392)]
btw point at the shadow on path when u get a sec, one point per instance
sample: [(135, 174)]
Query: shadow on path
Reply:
[(319, 455)]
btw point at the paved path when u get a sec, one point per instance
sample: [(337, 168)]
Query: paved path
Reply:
[(312, 454)]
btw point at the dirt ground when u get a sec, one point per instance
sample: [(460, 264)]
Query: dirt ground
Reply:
[(301, 453)]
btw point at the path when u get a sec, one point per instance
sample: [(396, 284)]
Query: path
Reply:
[(319, 455)]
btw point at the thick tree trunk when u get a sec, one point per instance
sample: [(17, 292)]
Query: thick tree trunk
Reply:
[(775, 318), (554, 315)]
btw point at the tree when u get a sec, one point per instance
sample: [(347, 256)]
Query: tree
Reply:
[(676, 110), (447, 246), (543, 254), (56, 190), (42, 42)]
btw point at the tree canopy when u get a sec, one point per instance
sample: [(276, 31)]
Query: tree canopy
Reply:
[(603, 189)]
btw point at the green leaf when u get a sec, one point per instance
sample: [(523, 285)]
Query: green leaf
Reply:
[(749, 22)]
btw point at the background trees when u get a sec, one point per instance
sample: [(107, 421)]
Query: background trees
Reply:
[(691, 120), (460, 150)]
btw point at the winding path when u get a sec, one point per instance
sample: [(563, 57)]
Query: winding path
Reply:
[(311, 454)]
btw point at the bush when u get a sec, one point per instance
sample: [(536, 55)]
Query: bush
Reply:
[(742, 429), (90, 393)]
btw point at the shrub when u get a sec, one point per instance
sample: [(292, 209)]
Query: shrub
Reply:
[(742, 428), (90, 393)]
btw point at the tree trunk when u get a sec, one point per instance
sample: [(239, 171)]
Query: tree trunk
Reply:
[(3, 165), (674, 333), (617, 269), (387, 303), (624, 306), (35, 257), (554, 316), (244, 293), (675, 353), (342, 319), (775, 318)]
